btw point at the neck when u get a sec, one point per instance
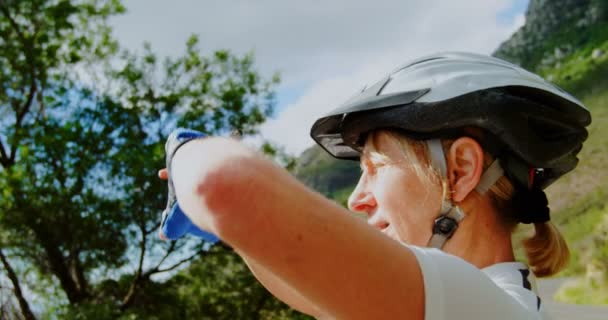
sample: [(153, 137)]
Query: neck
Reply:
[(480, 238)]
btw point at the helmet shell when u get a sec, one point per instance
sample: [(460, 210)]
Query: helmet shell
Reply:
[(526, 121)]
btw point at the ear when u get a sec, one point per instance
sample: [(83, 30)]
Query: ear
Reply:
[(465, 166)]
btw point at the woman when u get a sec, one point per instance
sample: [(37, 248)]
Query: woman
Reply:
[(455, 150)]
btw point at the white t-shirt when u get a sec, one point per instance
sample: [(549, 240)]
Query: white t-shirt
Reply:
[(456, 290)]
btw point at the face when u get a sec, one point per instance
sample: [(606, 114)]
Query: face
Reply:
[(396, 199)]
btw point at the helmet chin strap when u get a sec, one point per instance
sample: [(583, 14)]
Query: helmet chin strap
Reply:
[(450, 215)]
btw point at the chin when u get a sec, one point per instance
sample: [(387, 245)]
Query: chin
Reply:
[(389, 232)]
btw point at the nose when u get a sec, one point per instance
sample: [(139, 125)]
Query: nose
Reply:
[(362, 200)]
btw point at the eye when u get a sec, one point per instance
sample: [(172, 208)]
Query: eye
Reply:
[(366, 166), (370, 167)]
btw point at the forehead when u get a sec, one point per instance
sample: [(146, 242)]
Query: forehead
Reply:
[(382, 146)]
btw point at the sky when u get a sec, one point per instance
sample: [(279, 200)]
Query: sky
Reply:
[(325, 51)]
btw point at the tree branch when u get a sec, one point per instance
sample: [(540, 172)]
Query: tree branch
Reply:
[(201, 252), (20, 112), (179, 263), (128, 299), (153, 229), (12, 21), (25, 108), (25, 307), (77, 272), (4, 159), (169, 251), (142, 253)]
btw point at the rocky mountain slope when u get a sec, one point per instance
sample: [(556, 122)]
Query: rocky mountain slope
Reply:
[(554, 30)]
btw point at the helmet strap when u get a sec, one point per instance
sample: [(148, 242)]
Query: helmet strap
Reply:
[(489, 177), (450, 215)]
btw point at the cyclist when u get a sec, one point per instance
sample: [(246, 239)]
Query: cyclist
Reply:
[(455, 151)]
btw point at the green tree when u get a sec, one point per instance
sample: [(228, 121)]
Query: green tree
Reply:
[(80, 198), (223, 288), (40, 40)]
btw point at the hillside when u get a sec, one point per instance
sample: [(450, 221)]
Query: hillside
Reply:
[(333, 178), (572, 51), (565, 41), (554, 30)]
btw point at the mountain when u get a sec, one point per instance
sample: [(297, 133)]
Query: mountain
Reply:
[(566, 42), (320, 171), (554, 30)]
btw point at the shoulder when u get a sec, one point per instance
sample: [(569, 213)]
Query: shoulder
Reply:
[(455, 289), (518, 281)]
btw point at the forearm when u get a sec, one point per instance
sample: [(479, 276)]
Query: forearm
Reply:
[(194, 167), (313, 245), (281, 289)]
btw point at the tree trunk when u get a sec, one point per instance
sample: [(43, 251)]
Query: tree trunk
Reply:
[(58, 265), (61, 270), (130, 296), (25, 307), (128, 299), (77, 273)]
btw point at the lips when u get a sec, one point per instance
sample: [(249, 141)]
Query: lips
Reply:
[(380, 225)]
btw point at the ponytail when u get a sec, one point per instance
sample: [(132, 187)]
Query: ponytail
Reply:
[(547, 251)]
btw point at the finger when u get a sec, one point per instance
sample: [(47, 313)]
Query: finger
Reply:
[(161, 235), (163, 174)]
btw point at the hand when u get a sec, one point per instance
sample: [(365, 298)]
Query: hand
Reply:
[(174, 223)]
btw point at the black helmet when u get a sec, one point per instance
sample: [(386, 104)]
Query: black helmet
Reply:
[(535, 128)]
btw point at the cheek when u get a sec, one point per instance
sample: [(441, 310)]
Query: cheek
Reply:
[(414, 207)]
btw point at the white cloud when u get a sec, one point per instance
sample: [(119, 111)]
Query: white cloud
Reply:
[(331, 48), (455, 28), (291, 128), (519, 21)]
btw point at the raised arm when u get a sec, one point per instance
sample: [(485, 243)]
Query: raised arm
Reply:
[(332, 259), (282, 290)]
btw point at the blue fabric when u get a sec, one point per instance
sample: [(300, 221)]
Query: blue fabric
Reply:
[(174, 223), (177, 224)]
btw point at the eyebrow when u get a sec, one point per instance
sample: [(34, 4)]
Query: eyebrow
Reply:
[(362, 162)]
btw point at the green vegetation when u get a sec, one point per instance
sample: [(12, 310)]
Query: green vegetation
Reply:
[(341, 195), (332, 177), (581, 292), (79, 194), (580, 72), (217, 285), (579, 201), (582, 195), (582, 42)]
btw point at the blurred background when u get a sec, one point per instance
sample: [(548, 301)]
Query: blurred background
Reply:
[(90, 89)]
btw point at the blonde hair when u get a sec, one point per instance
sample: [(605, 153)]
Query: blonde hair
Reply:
[(414, 153), (546, 251)]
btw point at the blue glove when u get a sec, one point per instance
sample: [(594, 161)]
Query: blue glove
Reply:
[(174, 223)]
